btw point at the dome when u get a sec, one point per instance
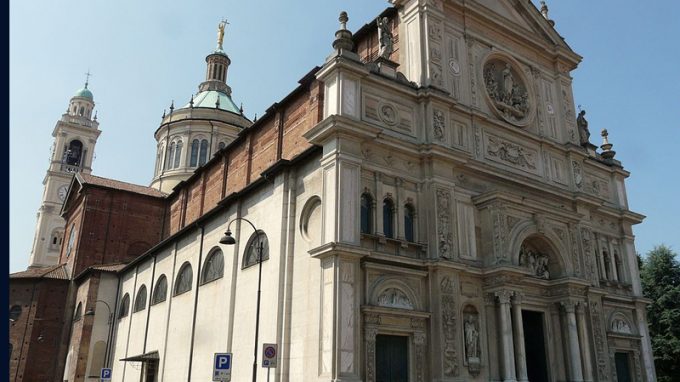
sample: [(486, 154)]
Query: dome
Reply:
[(208, 99), (85, 93)]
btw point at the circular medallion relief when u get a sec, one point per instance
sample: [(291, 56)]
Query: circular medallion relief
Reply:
[(388, 114), (454, 66), (506, 91)]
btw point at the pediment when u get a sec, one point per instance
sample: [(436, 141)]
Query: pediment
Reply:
[(524, 18)]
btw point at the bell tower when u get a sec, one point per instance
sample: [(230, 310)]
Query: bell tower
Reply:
[(75, 136)]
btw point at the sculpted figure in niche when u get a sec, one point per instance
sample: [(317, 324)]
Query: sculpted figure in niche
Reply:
[(471, 338), (385, 37), (583, 132)]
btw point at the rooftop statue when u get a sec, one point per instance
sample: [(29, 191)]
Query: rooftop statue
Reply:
[(583, 132), (220, 33), (385, 36)]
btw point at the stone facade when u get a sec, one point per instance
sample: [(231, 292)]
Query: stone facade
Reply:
[(428, 210)]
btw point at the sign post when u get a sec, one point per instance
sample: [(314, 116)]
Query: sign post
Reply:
[(270, 354), (105, 374), (222, 367)]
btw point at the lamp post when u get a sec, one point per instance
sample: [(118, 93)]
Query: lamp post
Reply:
[(227, 239), (91, 312)]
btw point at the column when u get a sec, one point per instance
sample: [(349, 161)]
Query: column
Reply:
[(370, 334), (585, 342), (575, 372), (508, 356), (520, 354)]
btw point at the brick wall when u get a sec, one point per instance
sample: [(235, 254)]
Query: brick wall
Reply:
[(36, 334), (277, 135), (112, 226)]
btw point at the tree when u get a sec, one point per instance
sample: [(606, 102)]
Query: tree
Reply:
[(660, 277)]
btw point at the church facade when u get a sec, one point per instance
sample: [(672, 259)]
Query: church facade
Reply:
[(425, 206)]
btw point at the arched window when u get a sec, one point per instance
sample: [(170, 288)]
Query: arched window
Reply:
[(73, 153), (194, 152), (221, 145), (160, 291), (71, 240), (171, 156), (366, 213), (257, 240), (140, 300), (124, 306), (213, 268), (184, 279), (203, 155), (79, 312), (14, 312), (57, 236), (388, 218), (409, 214), (178, 154), (82, 111)]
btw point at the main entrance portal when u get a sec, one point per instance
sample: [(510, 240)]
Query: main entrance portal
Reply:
[(534, 343), (391, 353)]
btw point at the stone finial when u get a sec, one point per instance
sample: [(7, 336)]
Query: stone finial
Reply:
[(343, 37), (607, 152), (172, 106), (95, 116), (217, 103), (343, 20), (544, 12), (255, 119), (191, 102), (163, 116), (240, 109)]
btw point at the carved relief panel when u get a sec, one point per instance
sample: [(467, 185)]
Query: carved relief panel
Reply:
[(388, 113), (507, 90)]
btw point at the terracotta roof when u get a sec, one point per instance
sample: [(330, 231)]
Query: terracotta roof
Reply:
[(118, 185), (109, 267), (53, 272)]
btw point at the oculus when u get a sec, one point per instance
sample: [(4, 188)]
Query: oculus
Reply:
[(506, 91)]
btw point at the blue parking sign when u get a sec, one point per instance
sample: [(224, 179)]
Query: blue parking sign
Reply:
[(105, 374), (222, 367)]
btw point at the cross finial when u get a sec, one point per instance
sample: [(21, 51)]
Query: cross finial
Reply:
[(87, 78)]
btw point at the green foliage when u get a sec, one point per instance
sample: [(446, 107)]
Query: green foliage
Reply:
[(660, 276)]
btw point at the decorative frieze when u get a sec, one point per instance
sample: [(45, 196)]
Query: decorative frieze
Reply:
[(591, 267), (444, 235), (599, 339), (438, 125), (573, 234), (448, 306), (499, 233)]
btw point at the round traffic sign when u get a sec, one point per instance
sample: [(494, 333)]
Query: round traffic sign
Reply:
[(270, 352)]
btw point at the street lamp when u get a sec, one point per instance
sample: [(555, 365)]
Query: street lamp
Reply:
[(90, 312), (227, 239)]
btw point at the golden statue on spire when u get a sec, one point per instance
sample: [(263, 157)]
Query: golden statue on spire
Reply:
[(220, 33)]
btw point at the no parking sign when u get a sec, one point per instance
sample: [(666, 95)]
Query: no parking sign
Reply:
[(269, 355)]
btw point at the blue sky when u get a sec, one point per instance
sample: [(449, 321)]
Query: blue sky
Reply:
[(144, 54)]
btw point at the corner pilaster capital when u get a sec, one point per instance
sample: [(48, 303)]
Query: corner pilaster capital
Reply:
[(504, 296)]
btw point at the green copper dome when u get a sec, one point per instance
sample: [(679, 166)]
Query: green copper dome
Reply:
[(209, 99), (85, 93)]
